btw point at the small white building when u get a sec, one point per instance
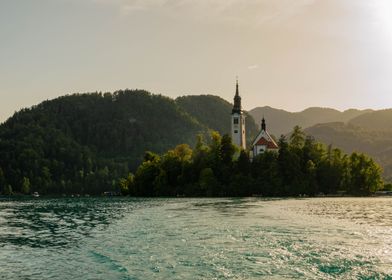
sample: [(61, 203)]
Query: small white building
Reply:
[(263, 142)]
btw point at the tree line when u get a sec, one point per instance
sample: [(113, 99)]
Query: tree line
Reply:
[(217, 168)]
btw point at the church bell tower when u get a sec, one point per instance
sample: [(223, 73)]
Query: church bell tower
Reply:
[(238, 121)]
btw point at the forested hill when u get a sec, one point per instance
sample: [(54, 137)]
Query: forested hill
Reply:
[(84, 142), (372, 139)]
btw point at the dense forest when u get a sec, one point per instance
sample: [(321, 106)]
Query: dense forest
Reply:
[(216, 168), (83, 143)]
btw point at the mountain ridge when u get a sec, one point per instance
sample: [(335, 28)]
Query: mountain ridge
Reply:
[(281, 121)]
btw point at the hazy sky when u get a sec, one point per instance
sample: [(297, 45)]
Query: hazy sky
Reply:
[(289, 54)]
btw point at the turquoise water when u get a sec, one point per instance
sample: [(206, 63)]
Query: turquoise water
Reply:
[(125, 238)]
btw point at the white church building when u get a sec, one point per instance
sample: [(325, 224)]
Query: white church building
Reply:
[(263, 141)]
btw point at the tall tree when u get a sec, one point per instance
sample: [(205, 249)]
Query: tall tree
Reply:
[(297, 137)]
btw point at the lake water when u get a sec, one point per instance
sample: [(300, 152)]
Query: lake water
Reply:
[(125, 238)]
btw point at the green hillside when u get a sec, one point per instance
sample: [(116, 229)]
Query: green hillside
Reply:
[(85, 142), (350, 138)]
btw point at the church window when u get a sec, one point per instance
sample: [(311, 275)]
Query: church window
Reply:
[(235, 121), (235, 131)]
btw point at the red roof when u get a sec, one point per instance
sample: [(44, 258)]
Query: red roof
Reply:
[(269, 144)]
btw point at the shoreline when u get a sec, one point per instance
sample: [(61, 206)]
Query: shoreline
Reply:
[(17, 196)]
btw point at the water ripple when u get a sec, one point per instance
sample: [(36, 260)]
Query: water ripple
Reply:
[(124, 238)]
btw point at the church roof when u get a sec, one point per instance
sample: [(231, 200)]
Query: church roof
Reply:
[(270, 144), (263, 138)]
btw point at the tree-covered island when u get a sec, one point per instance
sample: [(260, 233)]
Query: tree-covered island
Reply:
[(218, 168)]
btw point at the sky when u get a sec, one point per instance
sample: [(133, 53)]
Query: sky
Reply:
[(287, 54)]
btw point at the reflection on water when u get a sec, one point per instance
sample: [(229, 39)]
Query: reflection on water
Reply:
[(374, 211), (57, 222), (125, 238)]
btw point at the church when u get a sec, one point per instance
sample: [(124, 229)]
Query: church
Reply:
[(263, 141)]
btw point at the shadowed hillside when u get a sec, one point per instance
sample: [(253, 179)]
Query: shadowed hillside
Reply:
[(377, 120)]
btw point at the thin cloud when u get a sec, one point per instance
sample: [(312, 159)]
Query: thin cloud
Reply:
[(253, 12), (253, 67), (129, 9)]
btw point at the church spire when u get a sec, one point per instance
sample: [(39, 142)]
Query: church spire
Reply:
[(263, 126), (237, 100), (237, 93)]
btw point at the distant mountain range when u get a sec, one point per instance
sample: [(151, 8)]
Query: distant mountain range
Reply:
[(281, 121)]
